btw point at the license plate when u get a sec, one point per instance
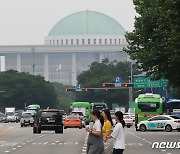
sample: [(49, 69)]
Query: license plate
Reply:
[(51, 120)]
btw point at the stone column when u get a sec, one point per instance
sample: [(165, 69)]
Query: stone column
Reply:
[(46, 67), (73, 73), (18, 62)]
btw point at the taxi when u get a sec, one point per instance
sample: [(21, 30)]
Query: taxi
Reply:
[(160, 122), (73, 121)]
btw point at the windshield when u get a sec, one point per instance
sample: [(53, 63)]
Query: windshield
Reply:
[(10, 114), (77, 113), (50, 114), (148, 106), (173, 105), (26, 115), (175, 117)]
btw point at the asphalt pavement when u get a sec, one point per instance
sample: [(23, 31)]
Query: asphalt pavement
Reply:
[(17, 140)]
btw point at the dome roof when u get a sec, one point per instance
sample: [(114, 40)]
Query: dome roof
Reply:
[(87, 22)]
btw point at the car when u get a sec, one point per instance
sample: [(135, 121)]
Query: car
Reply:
[(63, 114), (81, 115), (73, 121), (27, 119), (131, 115), (2, 117), (160, 122), (128, 120), (48, 119)]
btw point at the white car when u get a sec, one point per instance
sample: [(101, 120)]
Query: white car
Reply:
[(160, 122), (128, 121)]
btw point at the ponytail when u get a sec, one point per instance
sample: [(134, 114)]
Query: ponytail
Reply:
[(123, 123), (119, 114)]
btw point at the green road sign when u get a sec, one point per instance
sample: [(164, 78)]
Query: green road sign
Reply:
[(146, 82)]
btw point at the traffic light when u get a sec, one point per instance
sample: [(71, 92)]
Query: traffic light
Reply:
[(108, 85), (127, 85)]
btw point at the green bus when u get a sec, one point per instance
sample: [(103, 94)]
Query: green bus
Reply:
[(98, 106), (146, 106), (33, 107), (84, 107)]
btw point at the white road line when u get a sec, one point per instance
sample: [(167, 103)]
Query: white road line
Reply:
[(14, 148), (14, 144), (6, 151), (45, 143), (163, 150)]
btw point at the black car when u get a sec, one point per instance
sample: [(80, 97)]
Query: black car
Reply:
[(48, 119)]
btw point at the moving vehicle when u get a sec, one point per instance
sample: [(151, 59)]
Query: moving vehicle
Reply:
[(63, 114), (2, 117), (73, 121), (10, 114), (160, 122), (84, 107), (173, 107), (48, 119), (27, 119), (128, 120), (81, 116), (98, 106), (146, 106), (33, 107)]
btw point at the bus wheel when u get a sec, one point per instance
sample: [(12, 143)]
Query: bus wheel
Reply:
[(178, 129), (168, 128), (142, 127)]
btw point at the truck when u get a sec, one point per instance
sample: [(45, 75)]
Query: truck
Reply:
[(10, 114)]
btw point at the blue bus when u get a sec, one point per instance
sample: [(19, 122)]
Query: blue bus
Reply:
[(173, 107)]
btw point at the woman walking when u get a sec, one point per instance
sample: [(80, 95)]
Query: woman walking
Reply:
[(107, 126), (118, 134), (95, 143)]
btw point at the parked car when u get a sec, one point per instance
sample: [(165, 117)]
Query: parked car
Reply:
[(27, 119), (128, 120), (48, 119), (160, 122), (2, 117), (73, 121)]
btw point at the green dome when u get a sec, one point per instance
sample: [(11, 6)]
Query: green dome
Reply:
[(87, 22)]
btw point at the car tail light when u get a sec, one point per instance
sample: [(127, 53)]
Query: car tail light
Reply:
[(177, 121), (67, 120), (78, 120)]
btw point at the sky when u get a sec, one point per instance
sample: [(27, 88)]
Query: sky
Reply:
[(27, 22)]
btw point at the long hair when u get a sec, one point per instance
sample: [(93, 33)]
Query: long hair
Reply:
[(119, 115), (107, 113)]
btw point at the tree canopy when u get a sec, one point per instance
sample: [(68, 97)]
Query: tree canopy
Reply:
[(21, 88), (155, 41), (105, 72)]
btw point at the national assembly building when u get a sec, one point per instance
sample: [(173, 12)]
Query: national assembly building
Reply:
[(69, 49)]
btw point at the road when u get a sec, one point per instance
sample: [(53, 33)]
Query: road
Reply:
[(17, 140)]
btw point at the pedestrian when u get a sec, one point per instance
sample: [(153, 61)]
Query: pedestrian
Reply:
[(118, 134), (95, 143), (107, 126)]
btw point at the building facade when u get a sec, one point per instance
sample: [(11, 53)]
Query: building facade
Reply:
[(69, 49)]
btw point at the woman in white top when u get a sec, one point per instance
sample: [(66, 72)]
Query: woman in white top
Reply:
[(95, 143), (118, 134)]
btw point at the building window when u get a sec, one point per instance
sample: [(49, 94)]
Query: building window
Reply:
[(82, 41), (110, 41), (71, 41), (89, 41), (66, 41), (114, 41), (77, 41), (62, 42), (122, 41), (50, 42), (53, 42), (57, 42), (105, 41), (94, 41), (100, 41), (119, 41)]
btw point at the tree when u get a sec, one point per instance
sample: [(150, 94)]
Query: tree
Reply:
[(101, 73), (21, 88), (155, 42)]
